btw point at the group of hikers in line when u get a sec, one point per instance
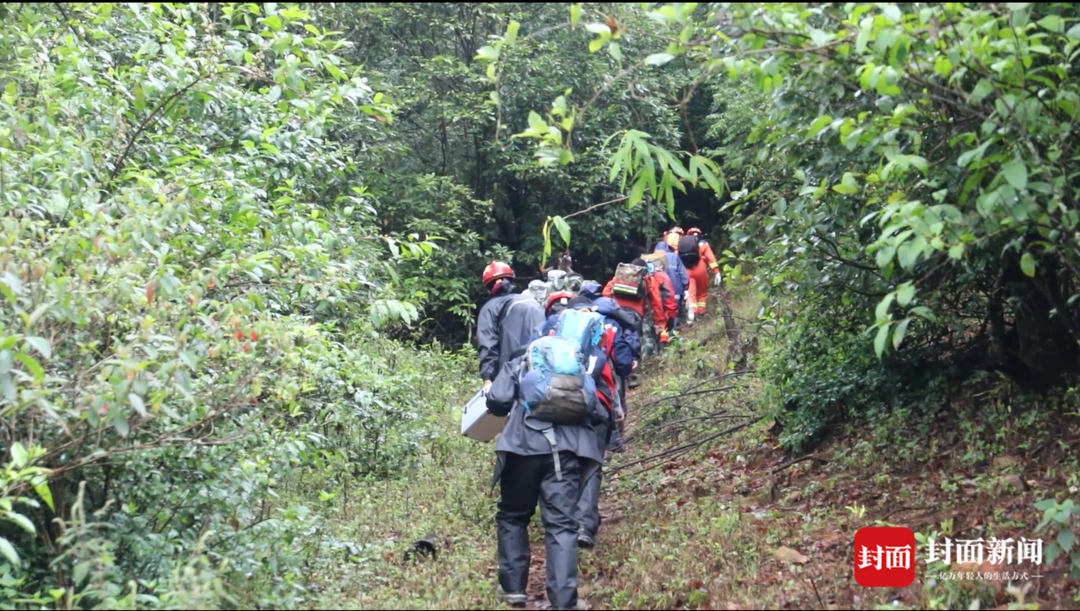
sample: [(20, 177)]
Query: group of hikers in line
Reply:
[(555, 361)]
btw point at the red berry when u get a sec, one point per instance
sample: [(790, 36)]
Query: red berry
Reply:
[(239, 335), (247, 347), (254, 337)]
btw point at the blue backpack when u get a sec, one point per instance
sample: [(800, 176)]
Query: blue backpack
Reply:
[(584, 325), (558, 384)]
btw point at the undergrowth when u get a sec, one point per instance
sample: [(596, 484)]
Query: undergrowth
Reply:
[(736, 522)]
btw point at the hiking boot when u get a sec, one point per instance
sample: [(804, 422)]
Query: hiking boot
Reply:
[(514, 599), (585, 542)]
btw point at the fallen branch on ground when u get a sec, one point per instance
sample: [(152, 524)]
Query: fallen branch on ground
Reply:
[(689, 446), (797, 461)]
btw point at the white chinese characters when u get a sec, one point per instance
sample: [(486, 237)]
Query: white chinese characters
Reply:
[(889, 557), (972, 551)]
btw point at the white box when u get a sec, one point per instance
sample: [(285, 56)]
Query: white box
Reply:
[(478, 423)]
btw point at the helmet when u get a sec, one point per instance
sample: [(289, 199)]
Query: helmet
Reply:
[(561, 298), (496, 270), (694, 231), (677, 230)]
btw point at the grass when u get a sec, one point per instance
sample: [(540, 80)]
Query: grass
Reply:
[(702, 530)]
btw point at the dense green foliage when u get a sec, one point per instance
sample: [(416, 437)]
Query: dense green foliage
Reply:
[(238, 237), (911, 174), (193, 275)]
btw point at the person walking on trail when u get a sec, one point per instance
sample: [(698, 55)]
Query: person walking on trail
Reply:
[(699, 259), (675, 270), (505, 323), (542, 461), (655, 264), (633, 287), (627, 354)]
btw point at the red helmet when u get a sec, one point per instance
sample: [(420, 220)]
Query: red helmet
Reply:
[(677, 230), (554, 298), (694, 231), (497, 270)]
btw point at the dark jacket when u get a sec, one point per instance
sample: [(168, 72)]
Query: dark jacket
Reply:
[(503, 327), (622, 353)]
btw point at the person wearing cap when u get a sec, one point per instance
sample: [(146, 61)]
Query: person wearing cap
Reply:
[(505, 322)]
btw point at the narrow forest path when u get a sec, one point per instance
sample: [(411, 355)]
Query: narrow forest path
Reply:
[(732, 523)]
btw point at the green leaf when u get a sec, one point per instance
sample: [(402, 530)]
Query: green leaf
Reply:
[(1016, 173), (120, 423), (659, 59), (42, 488), (847, 185), (575, 13), (615, 51), (1065, 539), (511, 32), (32, 365), (892, 11), (275, 93), (882, 311), (885, 255), (188, 358), (595, 45), (882, 338), (1045, 504), (899, 332), (563, 228), (862, 39), (908, 254), (1074, 32), (78, 574), (974, 154), (1050, 553), (598, 28), (137, 403), (636, 192), (1027, 264), (818, 125), (487, 52), (905, 293), (536, 122), (19, 455), (9, 552), (1054, 23), (41, 345), (23, 522), (919, 162)]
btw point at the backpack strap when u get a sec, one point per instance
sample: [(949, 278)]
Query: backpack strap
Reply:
[(549, 434)]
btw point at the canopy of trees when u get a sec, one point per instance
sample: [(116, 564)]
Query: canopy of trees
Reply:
[(240, 239)]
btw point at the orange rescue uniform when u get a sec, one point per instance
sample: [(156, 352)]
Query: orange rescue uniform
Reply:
[(699, 277)]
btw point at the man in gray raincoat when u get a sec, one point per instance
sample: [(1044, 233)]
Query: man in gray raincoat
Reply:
[(539, 461)]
